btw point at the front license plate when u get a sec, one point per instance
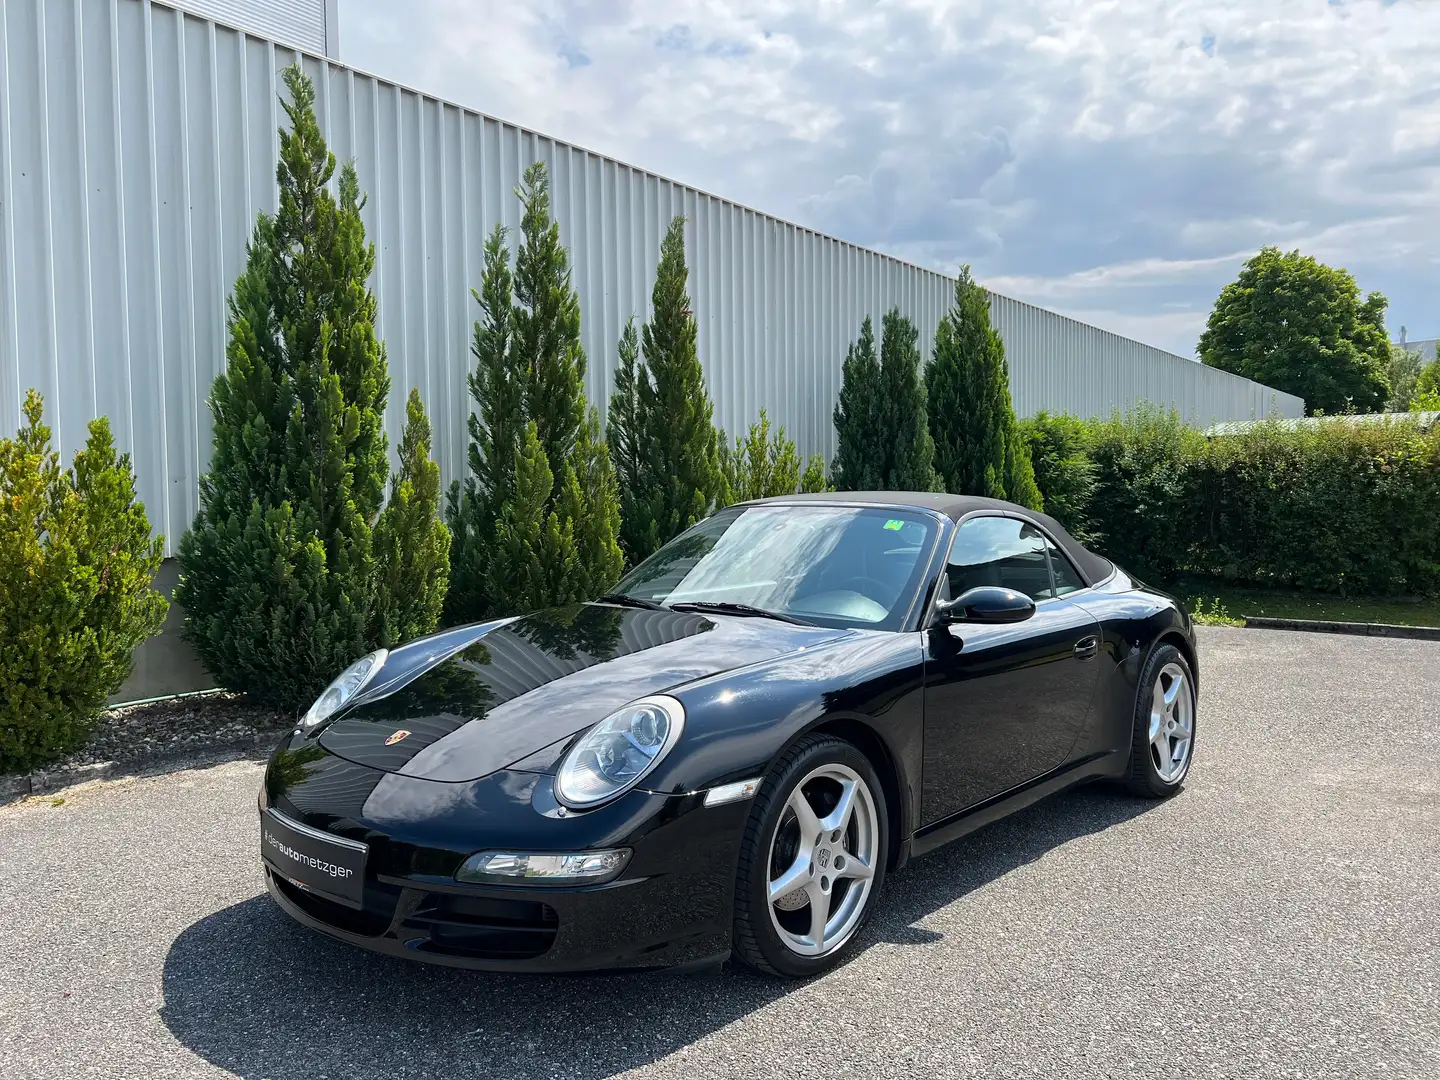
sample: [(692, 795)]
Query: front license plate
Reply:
[(329, 866)]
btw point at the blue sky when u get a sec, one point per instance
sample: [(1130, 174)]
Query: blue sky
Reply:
[(1116, 160)]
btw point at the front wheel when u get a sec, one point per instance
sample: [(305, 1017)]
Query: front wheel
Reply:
[(1164, 732), (812, 859)]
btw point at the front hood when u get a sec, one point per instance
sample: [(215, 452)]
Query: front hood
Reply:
[(531, 683)]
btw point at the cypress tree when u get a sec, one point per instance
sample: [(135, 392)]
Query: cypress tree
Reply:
[(859, 462), (902, 399), (545, 325), (412, 544), (979, 448), (661, 426), (590, 500), (496, 425), (884, 441), (532, 563), (629, 448), (536, 521), (281, 582)]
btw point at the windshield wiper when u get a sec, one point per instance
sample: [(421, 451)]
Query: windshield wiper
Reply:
[(626, 600), (720, 607)]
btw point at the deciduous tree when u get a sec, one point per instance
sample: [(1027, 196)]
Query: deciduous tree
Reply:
[(1291, 322)]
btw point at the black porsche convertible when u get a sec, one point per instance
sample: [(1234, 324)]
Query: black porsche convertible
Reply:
[(729, 753)]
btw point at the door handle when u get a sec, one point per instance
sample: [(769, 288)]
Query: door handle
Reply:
[(1087, 648)]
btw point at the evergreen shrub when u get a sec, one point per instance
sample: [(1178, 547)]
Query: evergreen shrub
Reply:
[(76, 564)]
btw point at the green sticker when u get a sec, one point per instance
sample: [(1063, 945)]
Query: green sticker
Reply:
[(895, 524)]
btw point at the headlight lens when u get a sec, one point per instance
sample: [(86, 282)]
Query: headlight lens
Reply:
[(343, 690), (616, 753)]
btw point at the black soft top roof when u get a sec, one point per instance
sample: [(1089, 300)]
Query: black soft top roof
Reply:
[(1092, 567)]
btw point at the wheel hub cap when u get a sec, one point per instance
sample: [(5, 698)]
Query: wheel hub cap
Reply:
[(1172, 723), (822, 859)]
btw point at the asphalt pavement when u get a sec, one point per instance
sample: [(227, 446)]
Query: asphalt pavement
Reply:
[(1279, 918)]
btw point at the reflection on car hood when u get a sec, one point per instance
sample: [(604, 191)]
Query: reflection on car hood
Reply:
[(532, 682)]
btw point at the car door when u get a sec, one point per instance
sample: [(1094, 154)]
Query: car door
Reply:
[(1004, 703)]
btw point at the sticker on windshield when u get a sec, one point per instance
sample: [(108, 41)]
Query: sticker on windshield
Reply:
[(894, 524)]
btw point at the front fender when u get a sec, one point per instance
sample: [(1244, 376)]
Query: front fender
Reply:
[(738, 724)]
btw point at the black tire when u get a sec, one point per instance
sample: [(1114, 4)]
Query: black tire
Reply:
[(1144, 778), (757, 942)]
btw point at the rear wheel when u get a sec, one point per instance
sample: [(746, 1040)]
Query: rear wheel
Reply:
[(812, 859), (1164, 733)]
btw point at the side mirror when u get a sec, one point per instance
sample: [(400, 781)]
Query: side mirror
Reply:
[(986, 604)]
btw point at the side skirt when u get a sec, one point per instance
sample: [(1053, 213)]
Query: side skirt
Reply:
[(1093, 767)]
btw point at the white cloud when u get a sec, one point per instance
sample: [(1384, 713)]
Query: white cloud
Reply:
[(1118, 159)]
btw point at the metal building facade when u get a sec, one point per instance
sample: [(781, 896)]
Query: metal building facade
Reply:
[(313, 25), (137, 142)]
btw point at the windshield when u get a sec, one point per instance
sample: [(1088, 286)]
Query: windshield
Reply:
[(836, 566)]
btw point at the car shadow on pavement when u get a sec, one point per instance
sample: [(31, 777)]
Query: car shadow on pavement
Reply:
[(256, 994)]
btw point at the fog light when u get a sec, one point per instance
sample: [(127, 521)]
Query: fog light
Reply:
[(530, 868)]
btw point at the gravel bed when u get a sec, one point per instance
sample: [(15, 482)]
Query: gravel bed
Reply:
[(174, 727)]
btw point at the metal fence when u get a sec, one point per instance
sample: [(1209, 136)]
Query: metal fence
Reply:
[(138, 141)]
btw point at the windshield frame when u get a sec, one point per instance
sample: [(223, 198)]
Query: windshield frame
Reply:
[(910, 601)]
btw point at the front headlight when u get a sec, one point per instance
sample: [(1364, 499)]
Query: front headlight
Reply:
[(343, 690), (532, 868), (616, 753)]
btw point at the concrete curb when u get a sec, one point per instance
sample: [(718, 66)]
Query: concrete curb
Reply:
[(15, 788), (1320, 626)]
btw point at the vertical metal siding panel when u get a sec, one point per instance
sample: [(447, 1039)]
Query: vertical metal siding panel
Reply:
[(601, 361), (171, 150), (205, 237), (715, 289), (632, 241), (445, 398), (33, 250), (11, 393), (590, 260), (750, 369), (454, 297), (68, 134), (298, 22), (445, 155), (151, 291), (428, 285), (140, 290), (109, 315)]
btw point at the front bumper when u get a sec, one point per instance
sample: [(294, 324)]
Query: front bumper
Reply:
[(672, 906)]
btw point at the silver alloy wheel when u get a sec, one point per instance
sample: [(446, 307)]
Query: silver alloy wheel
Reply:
[(822, 860), (1172, 723)]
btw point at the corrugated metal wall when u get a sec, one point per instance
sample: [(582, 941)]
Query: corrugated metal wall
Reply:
[(307, 24), (139, 141)]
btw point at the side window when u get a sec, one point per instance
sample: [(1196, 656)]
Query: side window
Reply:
[(1067, 578), (999, 551)]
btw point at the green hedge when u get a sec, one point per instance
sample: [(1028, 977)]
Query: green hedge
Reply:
[(1341, 507)]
